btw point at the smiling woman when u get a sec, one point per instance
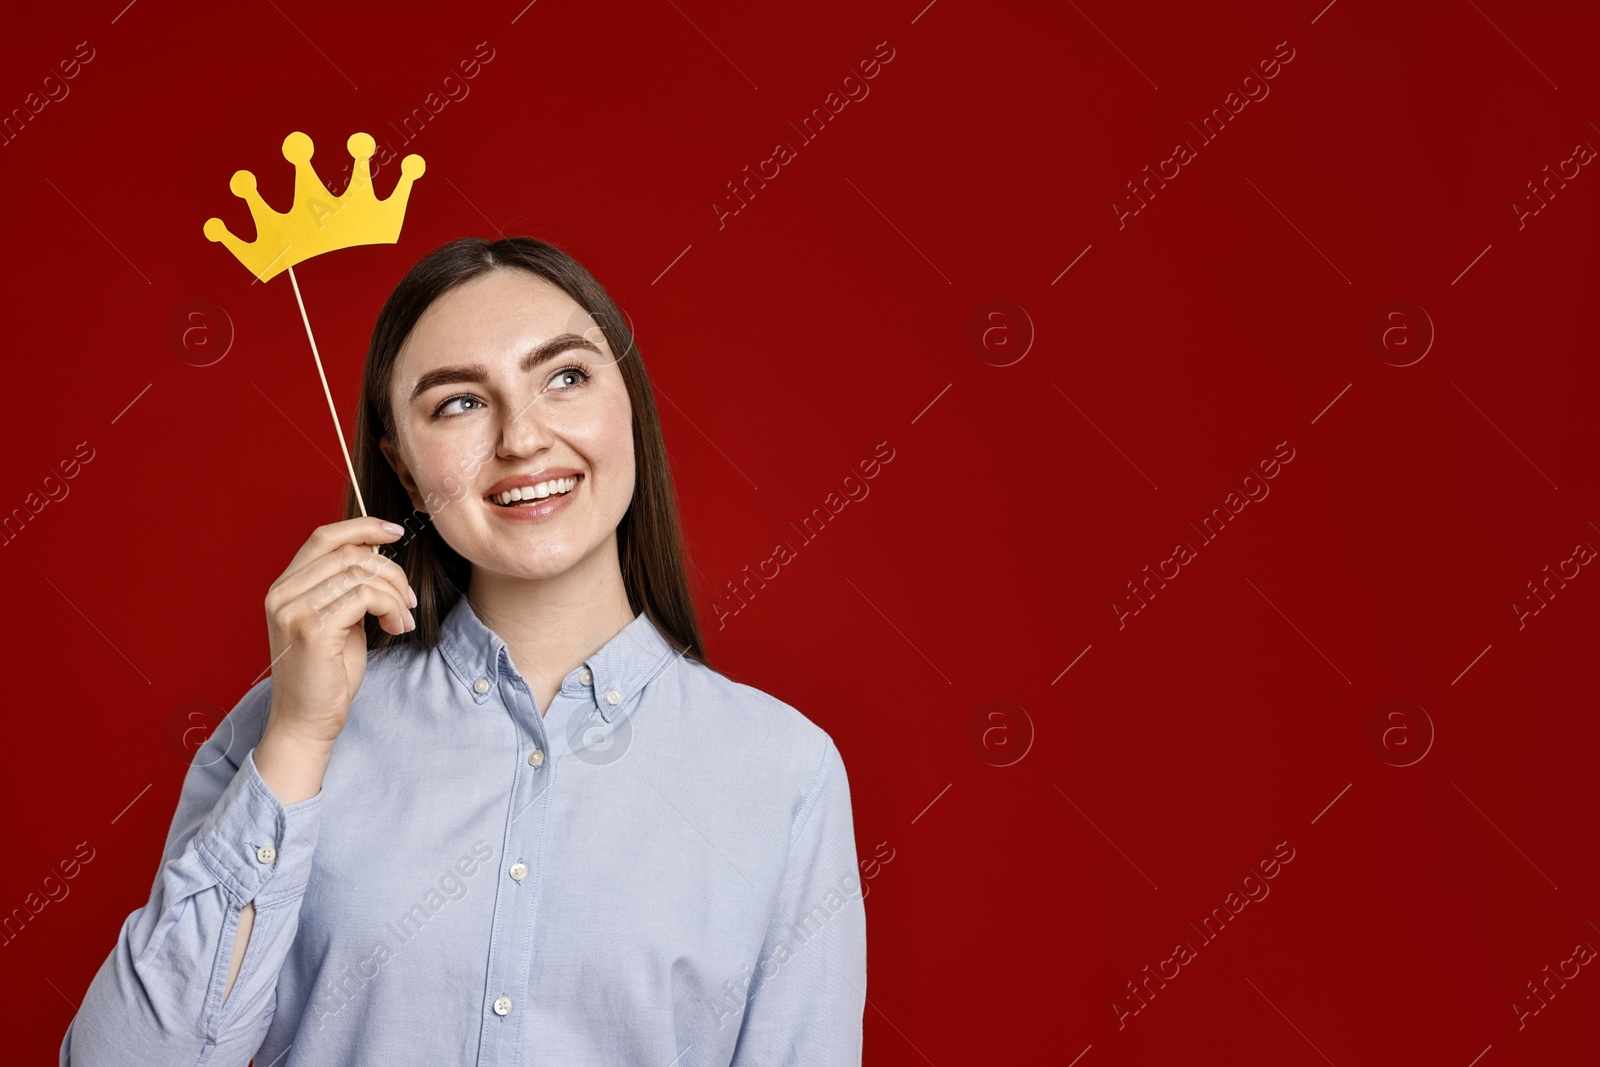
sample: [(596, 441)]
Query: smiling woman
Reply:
[(652, 830), (545, 383)]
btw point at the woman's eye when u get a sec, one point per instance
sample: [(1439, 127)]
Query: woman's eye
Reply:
[(440, 410), (576, 376)]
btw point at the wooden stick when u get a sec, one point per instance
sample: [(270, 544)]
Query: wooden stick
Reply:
[(329, 394)]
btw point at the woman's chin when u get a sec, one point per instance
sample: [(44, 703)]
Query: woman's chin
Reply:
[(523, 568)]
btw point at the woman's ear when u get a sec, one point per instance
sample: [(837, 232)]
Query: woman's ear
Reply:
[(392, 454)]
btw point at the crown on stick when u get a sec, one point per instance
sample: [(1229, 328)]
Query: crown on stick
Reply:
[(318, 221)]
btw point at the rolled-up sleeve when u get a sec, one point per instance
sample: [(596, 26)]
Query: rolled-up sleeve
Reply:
[(806, 998), (159, 996)]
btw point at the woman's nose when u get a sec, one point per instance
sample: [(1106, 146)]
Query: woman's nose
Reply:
[(523, 431)]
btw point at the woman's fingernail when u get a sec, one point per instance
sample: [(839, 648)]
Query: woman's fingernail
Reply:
[(394, 529), (412, 593)]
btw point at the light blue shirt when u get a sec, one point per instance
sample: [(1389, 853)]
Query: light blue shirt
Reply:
[(661, 871)]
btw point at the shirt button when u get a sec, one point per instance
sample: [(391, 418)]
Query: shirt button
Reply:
[(586, 677), (519, 871), (481, 685), (502, 1006), (613, 697), (536, 757), (266, 853)]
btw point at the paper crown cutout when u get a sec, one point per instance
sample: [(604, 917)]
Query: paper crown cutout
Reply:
[(318, 221)]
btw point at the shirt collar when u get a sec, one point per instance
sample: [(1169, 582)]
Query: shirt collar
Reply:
[(616, 673)]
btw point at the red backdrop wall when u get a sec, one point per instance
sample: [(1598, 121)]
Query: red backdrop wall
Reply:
[(1233, 559)]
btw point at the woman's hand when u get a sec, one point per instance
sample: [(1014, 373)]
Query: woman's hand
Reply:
[(316, 613)]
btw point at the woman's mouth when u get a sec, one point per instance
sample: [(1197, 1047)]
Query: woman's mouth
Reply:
[(535, 502)]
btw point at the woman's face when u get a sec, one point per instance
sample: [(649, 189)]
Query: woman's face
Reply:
[(505, 380)]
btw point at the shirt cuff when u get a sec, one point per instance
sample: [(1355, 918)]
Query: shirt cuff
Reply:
[(257, 848)]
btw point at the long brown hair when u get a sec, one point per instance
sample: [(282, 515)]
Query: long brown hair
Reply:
[(649, 538)]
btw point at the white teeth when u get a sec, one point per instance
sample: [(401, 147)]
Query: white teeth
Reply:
[(554, 487)]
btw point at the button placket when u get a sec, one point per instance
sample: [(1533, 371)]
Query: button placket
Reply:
[(518, 896), (515, 924)]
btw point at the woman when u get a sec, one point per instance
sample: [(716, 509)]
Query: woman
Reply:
[(493, 806)]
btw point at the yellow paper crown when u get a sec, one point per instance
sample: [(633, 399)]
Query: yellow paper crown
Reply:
[(319, 221)]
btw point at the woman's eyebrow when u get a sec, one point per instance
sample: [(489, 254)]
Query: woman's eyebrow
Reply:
[(478, 373)]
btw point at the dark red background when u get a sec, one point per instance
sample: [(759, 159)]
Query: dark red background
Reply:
[(833, 313)]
